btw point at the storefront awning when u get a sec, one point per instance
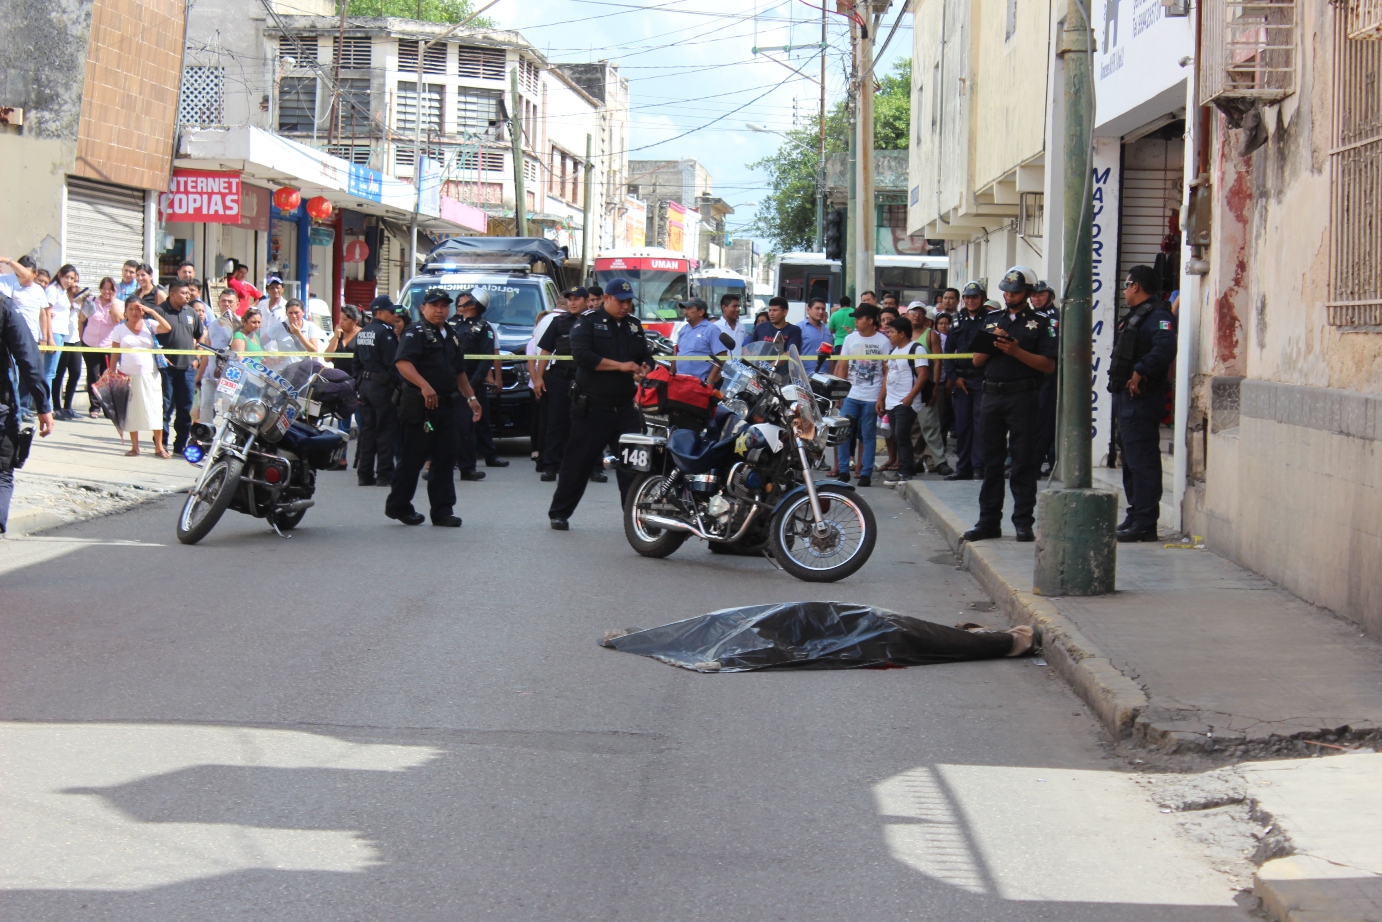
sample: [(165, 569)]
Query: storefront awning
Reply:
[(264, 157)]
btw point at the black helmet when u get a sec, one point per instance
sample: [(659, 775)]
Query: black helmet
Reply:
[(1017, 279), (974, 290), (1041, 287)]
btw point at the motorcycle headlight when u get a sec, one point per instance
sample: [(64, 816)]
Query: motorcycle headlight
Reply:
[(252, 412)]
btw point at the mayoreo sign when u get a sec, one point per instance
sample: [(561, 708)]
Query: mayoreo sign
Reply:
[(202, 197)]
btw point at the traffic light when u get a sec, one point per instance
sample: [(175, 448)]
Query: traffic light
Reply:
[(835, 234)]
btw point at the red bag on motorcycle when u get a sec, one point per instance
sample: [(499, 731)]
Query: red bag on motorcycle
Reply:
[(664, 392)]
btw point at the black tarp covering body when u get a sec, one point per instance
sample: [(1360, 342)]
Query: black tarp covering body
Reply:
[(821, 635)]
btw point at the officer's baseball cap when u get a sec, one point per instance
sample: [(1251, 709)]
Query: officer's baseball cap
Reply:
[(577, 292), (436, 296), (974, 290), (694, 302), (382, 303), (619, 289)]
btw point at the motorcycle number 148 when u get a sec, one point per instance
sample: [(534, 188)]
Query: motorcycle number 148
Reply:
[(636, 458)]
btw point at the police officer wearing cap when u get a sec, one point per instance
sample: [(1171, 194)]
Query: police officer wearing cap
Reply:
[(965, 384), (430, 364), (1023, 352), (554, 379), (477, 337), (1044, 303), (377, 382), (18, 352), (610, 353), (1143, 352)]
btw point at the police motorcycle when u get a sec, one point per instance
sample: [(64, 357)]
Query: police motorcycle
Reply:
[(744, 483), (268, 444)]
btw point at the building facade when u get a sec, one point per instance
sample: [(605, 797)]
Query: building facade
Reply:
[(683, 213)]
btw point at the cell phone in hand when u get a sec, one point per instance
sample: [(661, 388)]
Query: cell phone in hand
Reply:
[(81, 294)]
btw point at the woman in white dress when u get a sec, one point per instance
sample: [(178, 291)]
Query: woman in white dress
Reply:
[(145, 412)]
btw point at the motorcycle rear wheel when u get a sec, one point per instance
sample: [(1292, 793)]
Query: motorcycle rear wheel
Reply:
[(205, 507), (847, 545), (286, 521), (648, 541)]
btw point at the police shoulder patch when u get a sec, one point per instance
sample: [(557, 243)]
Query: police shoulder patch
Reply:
[(1165, 324)]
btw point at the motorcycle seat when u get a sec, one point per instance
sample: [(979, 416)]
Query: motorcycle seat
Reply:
[(694, 454), (302, 439)]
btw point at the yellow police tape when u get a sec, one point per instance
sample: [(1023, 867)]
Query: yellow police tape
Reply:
[(506, 357)]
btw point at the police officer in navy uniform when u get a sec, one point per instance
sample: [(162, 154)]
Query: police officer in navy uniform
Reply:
[(965, 381), (1044, 303), (555, 379), (377, 382), (610, 353), (429, 362), (1142, 355), (1024, 352), (18, 351), (478, 338)]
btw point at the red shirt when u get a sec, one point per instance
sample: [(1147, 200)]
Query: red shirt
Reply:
[(247, 293)]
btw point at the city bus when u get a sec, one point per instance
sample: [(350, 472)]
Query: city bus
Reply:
[(660, 279), (712, 284), (802, 276)]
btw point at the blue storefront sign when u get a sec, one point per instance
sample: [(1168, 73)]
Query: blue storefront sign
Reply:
[(366, 183)]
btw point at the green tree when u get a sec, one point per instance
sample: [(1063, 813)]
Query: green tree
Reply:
[(787, 214), (447, 11)]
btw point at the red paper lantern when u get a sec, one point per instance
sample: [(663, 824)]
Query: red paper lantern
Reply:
[(319, 207), (287, 198)]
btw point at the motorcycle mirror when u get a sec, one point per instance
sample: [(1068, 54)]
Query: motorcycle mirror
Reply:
[(727, 341)]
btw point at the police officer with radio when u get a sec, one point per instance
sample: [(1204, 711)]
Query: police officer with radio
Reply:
[(1023, 352), (610, 354), (477, 337), (18, 351), (1044, 303), (965, 382), (430, 364), (1143, 352), (376, 382), (554, 378)]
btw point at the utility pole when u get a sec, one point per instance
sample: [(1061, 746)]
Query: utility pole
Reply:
[(520, 196), (851, 238), (585, 219), (1076, 553), (820, 163), (864, 218), (333, 134)]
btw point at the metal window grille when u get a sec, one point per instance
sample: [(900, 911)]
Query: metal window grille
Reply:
[(433, 59), (527, 75), (355, 106), (297, 104), (356, 53), (530, 170), (352, 153), (490, 161), (1248, 50), (405, 115), (1030, 208), (479, 63), (403, 155), (301, 48), (476, 110), (1355, 206), (203, 94), (893, 216), (1365, 20)]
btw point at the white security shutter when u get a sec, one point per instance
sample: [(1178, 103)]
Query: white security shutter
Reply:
[(105, 227), (1152, 181)]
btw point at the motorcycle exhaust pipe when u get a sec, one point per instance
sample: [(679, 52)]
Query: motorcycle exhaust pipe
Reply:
[(666, 524), (298, 505)]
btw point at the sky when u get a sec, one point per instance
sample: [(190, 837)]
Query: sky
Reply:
[(694, 81)]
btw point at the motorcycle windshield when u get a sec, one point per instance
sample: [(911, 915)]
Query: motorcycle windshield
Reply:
[(805, 396), (768, 350)]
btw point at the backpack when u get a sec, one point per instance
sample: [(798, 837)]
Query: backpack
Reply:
[(665, 392)]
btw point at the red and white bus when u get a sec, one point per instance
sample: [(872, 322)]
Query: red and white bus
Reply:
[(660, 279)]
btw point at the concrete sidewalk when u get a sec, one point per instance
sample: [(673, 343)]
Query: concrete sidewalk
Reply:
[(81, 471), (1192, 653)]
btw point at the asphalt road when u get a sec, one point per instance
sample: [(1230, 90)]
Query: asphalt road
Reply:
[(369, 721)]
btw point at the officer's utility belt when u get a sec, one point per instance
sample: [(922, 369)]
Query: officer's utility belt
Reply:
[(970, 372), (1023, 386), (560, 370), (374, 376)]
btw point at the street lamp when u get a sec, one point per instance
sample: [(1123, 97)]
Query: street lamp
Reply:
[(820, 178)]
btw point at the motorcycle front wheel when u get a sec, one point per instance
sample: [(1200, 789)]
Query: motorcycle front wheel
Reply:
[(646, 540), (205, 506), (828, 554)]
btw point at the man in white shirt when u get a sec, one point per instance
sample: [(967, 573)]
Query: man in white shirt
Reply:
[(903, 380), (730, 323), (866, 384)]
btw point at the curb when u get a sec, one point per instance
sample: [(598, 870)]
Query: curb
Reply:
[(1116, 700), (1302, 888), (36, 519)]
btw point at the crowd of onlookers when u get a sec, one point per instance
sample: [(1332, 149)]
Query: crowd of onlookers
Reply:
[(161, 394)]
